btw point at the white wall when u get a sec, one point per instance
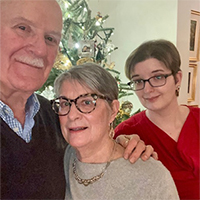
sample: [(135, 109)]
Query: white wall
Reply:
[(136, 21)]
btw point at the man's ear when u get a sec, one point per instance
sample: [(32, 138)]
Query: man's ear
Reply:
[(115, 109)]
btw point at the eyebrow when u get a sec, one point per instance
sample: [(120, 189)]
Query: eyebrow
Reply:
[(22, 19), (155, 71), (17, 19)]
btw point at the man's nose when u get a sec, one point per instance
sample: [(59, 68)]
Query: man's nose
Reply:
[(37, 45)]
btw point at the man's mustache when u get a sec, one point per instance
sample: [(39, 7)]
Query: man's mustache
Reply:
[(36, 62)]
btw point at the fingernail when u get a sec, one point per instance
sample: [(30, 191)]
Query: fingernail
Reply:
[(132, 160), (145, 157), (126, 156)]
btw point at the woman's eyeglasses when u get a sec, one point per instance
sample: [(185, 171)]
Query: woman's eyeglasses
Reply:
[(85, 103), (154, 81)]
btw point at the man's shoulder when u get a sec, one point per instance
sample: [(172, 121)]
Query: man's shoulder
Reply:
[(42, 99)]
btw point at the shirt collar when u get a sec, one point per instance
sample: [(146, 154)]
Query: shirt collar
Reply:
[(32, 107)]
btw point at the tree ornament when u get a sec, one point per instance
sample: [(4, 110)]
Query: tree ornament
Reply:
[(86, 48)]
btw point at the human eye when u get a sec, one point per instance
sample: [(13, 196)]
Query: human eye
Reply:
[(137, 81), (64, 103), (159, 77), (22, 29), (51, 40), (86, 101)]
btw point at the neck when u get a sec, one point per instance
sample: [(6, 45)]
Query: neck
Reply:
[(167, 114), (103, 153), (97, 153), (16, 100)]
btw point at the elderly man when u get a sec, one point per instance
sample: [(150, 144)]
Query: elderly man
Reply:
[(31, 142)]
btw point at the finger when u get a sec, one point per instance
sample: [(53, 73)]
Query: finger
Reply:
[(122, 140), (147, 153), (136, 153), (155, 155)]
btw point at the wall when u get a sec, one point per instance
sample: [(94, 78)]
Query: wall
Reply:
[(136, 21), (183, 34)]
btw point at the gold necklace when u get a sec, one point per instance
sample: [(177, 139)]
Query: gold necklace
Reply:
[(86, 182)]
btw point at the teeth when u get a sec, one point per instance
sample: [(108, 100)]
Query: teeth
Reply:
[(77, 129), (36, 62)]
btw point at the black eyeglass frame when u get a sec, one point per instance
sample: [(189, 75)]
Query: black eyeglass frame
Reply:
[(147, 80), (70, 101)]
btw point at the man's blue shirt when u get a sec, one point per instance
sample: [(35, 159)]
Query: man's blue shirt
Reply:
[(31, 109)]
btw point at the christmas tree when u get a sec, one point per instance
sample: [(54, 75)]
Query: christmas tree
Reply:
[(85, 39)]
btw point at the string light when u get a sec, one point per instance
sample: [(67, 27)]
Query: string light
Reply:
[(97, 23), (77, 45), (66, 5)]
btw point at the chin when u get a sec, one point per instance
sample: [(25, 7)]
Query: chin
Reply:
[(77, 144)]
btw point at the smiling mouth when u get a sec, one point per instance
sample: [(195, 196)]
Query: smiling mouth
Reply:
[(77, 129), (151, 99)]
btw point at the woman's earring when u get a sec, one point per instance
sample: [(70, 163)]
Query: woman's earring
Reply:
[(111, 132), (177, 90)]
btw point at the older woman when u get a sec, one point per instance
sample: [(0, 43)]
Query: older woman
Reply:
[(172, 129), (94, 165)]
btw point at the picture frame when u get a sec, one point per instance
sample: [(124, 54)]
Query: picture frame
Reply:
[(194, 36), (192, 79)]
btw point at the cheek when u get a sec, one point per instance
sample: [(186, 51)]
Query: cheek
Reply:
[(62, 121), (101, 121), (139, 94), (52, 53)]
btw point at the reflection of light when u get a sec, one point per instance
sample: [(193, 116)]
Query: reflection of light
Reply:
[(77, 45), (83, 27), (97, 23), (51, 88), (66, 5), (67, 63), (85, 9)]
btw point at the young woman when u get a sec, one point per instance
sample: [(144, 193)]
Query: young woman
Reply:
[(172, 129)]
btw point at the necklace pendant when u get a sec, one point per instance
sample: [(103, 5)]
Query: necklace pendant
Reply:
[(86, 182)]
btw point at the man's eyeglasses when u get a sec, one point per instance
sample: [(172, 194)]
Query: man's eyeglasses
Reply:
[(154, 81), (85, 103)]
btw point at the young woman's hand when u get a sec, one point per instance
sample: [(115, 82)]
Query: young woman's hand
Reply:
[(135, 148)]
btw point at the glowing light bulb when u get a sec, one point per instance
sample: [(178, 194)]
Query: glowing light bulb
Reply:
[(97, 23), (77, 45)]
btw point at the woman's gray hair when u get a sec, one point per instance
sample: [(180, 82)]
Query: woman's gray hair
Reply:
[(162, 50), (91, 76)]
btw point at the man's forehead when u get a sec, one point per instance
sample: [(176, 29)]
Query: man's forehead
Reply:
[(38, 11)]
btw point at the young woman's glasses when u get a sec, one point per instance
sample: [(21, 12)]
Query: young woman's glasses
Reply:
[(85, 103), (154, 81)]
